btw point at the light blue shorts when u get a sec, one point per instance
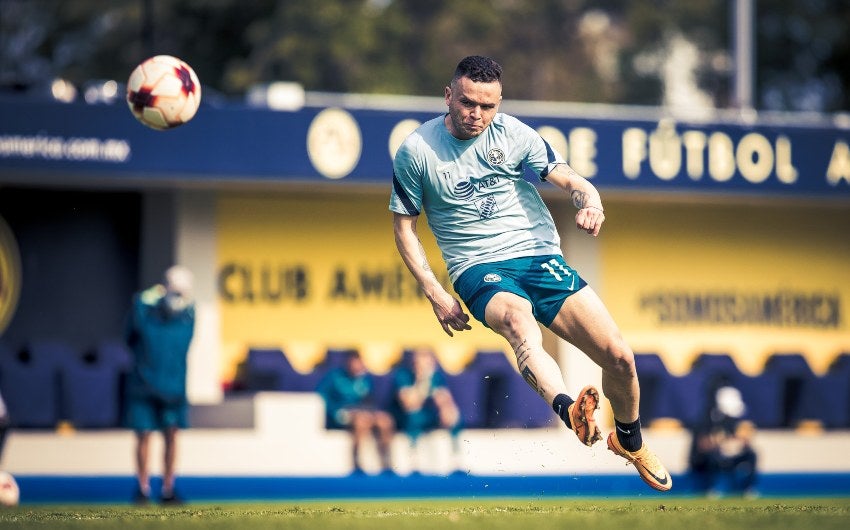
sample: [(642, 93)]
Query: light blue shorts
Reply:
[(545, 281)]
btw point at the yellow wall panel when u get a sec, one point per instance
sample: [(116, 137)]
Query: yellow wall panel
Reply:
[(745, 279), (308, 271)]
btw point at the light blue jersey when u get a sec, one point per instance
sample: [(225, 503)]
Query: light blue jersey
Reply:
[(478, 205)]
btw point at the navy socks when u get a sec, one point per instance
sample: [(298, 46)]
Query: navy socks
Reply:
[(561, 406), (628, 434)]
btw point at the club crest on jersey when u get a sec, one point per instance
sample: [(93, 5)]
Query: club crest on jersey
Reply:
[(496, 156), (492, 277)]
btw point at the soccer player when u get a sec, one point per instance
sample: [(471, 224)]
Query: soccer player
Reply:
[(465, 171)]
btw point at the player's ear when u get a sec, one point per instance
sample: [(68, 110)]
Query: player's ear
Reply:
[(448, 93)]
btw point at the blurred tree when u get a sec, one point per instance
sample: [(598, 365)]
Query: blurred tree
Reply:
[(803, 55), (614, 51), (658, 32)]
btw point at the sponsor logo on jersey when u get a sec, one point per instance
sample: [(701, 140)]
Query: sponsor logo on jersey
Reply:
[(464, 189), (487, 206), (492, 277)]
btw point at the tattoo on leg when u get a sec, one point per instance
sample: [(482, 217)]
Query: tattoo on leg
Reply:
[(522, 351), (530, 378), (522, 347)]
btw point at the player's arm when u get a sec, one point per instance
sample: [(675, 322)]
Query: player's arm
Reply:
[(446, 307), (584, 195)]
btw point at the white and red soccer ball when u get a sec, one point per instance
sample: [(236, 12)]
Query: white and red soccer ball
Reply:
[(163, 92), (9, 492)]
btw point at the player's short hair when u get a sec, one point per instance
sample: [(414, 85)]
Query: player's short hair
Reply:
[(479, 69)]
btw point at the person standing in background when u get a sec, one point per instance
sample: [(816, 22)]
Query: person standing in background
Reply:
[(159, 331)]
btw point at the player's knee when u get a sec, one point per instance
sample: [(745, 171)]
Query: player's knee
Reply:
[(513, 320), (621, 360)]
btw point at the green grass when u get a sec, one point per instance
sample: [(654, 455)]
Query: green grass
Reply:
[(508, 514)]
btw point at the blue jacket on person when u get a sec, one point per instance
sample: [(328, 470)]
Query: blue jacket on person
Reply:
[(159, 338)]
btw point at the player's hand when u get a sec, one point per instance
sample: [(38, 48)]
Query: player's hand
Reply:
[(450, 314), (590, 220)]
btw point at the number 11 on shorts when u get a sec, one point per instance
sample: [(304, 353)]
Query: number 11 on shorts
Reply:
[(551, 265)]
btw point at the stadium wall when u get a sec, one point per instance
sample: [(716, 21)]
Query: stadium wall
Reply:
[(710, 220)]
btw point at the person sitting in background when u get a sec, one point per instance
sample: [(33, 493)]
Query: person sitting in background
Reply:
[(721, 447), (424, 400), (159, 331), (347, 392)]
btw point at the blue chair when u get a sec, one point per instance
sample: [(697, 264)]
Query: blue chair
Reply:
[(517, 405), (762, 394), (657, 388), (114, 353), (89, 389), (308, 382), (799, 387), (507, 401), (51, 352), (383, 392), (270, 369), (834, 394), (30, 390), (495, 370), (267, 369), (91, 394), (468, 389)]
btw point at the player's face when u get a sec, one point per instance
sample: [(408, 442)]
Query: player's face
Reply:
[(472, 106)]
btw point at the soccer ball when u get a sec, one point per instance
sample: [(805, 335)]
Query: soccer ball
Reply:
[(163, 92), (9, 492)]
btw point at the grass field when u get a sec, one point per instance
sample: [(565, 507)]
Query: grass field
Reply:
[(513, 514)]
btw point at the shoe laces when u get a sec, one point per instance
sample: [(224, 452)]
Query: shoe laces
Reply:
[(646, 458)]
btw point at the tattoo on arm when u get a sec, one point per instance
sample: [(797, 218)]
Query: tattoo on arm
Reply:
[(579, 198), (425, 264)]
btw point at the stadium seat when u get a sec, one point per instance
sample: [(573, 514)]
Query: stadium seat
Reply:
[(467, 387), (506, 399), (799, 387), (267, 369), (657, 388), (335, 358), (30, 390), (762, 394), (50, 352), (91, 393), (494, 370), (383, 392), (114, 353), (270, 369), (517, 405), (834, 394)]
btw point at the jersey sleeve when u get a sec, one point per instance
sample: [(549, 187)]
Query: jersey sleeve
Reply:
[(540, 156), (406, 195)]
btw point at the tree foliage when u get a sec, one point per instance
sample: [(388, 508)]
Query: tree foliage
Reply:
[(611, 51)]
